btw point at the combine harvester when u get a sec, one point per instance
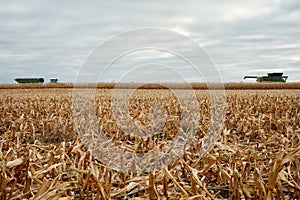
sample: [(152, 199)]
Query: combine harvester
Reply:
[(272, 77), (35, 80), (29, 80)]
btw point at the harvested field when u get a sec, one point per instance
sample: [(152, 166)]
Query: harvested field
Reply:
[(256, 157)]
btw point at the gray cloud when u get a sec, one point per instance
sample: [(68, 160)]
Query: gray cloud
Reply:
[(53, 38)]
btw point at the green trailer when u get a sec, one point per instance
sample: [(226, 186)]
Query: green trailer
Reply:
[(272, 77), (29, 80)]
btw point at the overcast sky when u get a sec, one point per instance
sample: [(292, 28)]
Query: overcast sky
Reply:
[(54, 38)]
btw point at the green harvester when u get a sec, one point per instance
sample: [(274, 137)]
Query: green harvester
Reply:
[(29, 80), (272, 77)]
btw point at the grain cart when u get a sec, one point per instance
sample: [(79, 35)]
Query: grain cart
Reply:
[(272, 77)]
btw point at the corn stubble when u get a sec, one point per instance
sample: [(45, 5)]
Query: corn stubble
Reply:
[(257, 157)]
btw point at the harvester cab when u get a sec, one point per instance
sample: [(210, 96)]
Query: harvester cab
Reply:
[(272, 77)]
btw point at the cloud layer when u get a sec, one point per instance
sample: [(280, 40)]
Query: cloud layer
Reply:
[(53, 38)]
